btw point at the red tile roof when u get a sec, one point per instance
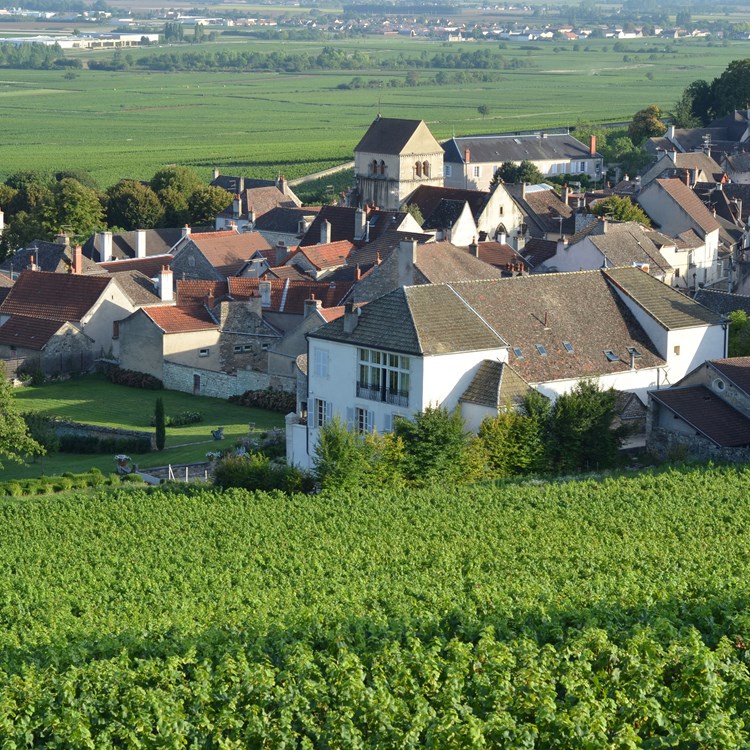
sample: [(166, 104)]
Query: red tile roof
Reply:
[(499, 255), (195, 291), (181, 319), (29, 333), (149, 266), (227, 252), (289, 295), (332, 255), (54, 296)]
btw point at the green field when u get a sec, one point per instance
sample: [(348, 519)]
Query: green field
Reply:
[(128, 124), (94, 400), (578, 615)]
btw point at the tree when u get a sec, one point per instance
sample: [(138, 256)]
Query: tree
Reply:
[(160, 422), (692, 109), (739, 334), (620, 209), (526, 172), (32, 190), (133, 205), (416, 213), (181, 179), (646, 123), (176, 211), (206, 202), (75, 207), (512, 444), (15, 441), (21, 230), (483, 110), (731, 90), (435, 446)]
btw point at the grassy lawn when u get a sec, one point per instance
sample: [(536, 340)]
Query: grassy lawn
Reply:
[(94, 400)]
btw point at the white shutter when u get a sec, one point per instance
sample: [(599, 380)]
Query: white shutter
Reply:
[(370, 421), (387, 423), (350, 418), (329, 411)]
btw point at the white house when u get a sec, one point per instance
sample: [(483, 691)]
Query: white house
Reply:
[(454, 343)]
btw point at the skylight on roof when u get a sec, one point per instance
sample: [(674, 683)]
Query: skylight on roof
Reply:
[(517, 351), (611, 356), (540, 348), (634, 352), (568, 347)]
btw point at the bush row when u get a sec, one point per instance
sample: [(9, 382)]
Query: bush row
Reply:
[(269, 398), (181, 419), (94, 444), (134, 379), (255, 471), (68, 481)]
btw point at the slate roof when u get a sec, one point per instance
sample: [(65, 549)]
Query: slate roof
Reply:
[(417, 320), (284, 219), (182, 319), (381, 247), (697, 162), (137, 287), (500, 148), (722, 303), (739, 162), (734, 369), (387, 135), (342, 220), (707, 414), (537, 251), (544, 208), (29, 333), (5, 284), (549, 309), (429, 197), (228, 251), (332, 255), (48, 256), (54, 296), (670, 308), (288, 295), (690, 202), (158, 242), (260, 200), (285, 272), (446, 214), (496, 385), (628, 243), (149, 266)]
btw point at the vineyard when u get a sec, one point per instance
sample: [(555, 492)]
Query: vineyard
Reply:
[(594, 614)]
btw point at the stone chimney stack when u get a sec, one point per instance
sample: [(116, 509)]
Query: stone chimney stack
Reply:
[(264, 287), (140, 243), (281, 252), (467, 156), (566, 195), (520, 241), (62, 239), (281, 184), (325, 232), (562, 244), (360, 223), (592, 145), (216, 173), (77, 266), (236, 206), (105, 246), (311, 305), (474, 248), (407, 258), (166, 284), (351, 317), (186, 230), (240, 185)]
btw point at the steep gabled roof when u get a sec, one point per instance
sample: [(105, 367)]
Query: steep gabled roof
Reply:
[(703, 410), (182, 319), (47, 256), (54, 296), (158, 242), (544, 208), (668, 307), (689, 202), (342, 220), (500, 255), (332, 255), (496, 385), (147, 266), (417, 320), (442, 262), (137, 287), (29, 333), (538, 251), (195, 291), (284, 219), (228, 251), (390, 135), (428, 198)]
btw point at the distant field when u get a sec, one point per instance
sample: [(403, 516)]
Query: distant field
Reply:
[(118, 124)]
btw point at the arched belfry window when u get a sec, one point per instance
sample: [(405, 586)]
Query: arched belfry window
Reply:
[(418, 169), (426, 168), (374, 166), (382, 167)]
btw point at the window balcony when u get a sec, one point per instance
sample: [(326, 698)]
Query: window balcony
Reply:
[(382, 395)]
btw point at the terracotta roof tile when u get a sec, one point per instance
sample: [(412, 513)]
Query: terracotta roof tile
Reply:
[(499, 255), (29, 333), (181, 319), (54, 296), (194, 291), (148, 266), (227, 252), (332, 255)]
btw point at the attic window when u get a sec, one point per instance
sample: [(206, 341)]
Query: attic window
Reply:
[(247, 348), (517, 351), (568, 347), (542, 351), (203, 352), (633, 352), (237, 348), (611, 356)]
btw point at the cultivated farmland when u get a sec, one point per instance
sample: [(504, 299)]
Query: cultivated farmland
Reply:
[(130, 123)]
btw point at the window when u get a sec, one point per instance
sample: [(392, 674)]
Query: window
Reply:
[(583, 166), (542, 351), (418, 169), (203, 352), (237, 349), (320, 363), (633, 352), (115, 329), (249, 347), (568, 347), (611, 356), (677, 350), (364, 420), (426, 168), (374, 166), (321, 412), (518, 352), (382, 167), (383, 377), (447, 170), (477, 171)]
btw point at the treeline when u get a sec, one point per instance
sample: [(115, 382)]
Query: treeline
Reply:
[(38, 204), (30, 56)]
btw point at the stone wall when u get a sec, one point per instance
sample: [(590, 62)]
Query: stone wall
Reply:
[(217, 384), (668, 445)]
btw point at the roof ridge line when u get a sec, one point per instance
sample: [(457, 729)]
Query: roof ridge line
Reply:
[(464, 302)]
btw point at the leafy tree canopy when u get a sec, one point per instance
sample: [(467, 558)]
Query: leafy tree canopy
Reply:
[(739, 334), (526, 172), (646, 123), (133, 205), (15, 441), (621, 209), (206, 202), (74, 207)]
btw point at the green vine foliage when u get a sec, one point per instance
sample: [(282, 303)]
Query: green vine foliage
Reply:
[(588, 614)]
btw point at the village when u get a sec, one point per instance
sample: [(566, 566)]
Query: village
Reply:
[(432, 282)]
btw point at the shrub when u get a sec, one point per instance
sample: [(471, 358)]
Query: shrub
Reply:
[(160, 424), (12, 488), (255, 471), (134, 379), (181, 419), (42, 430), (131, 478), (113, 444), (269, 398)]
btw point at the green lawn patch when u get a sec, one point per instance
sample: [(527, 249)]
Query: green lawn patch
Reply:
[(94, 400)]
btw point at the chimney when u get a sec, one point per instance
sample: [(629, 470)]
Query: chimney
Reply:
[(2, 222), (520, 241), (566, 195), (592, 145), (311, 305), (407, 257), (357, 272), (467, 156), (264, 287), (33, 267), (562, 244), (105, 246), (351, 317), (166, 284), (686, 177), (251, 216), (670, 133), (216, 173), (78, 259), (502, 237), (186, 230), (140, 243), (474, 248), (605, 225), (281, 253), (236, 206), (325, 232), (62, 239), (673, 155), (523, 191), (281, 184), (223, 313), (360, 223), (240, 184)]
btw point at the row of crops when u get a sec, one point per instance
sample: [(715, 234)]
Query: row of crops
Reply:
[(591, 614)]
